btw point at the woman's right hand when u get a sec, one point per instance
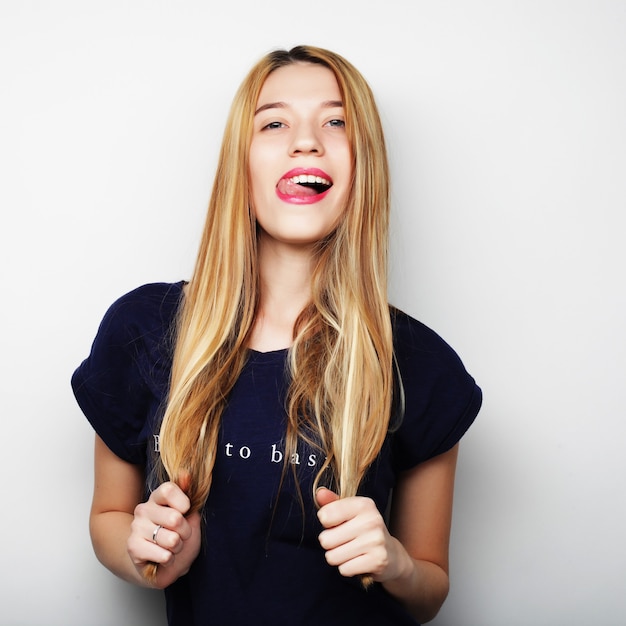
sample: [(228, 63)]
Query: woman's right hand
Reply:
[(176, 537)]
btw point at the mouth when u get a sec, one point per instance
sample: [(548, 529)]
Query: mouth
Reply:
[(303, 186)]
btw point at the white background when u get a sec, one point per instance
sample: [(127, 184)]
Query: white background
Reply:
[(506, 125)]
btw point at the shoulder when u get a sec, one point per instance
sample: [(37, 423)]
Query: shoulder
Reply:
[(122, 382), (414, 342), (440, 399), (154, 301), (134, 335), (146, 309)]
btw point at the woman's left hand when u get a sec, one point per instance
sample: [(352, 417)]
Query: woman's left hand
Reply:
[(356, 538)]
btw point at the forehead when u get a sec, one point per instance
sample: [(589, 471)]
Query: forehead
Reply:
[(299, 82)]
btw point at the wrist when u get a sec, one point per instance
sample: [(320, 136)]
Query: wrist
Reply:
[(404, 572), (410, 570), (422, 586)]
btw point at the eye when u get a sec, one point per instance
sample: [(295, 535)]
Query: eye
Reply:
[(273, 125), (336, 123)]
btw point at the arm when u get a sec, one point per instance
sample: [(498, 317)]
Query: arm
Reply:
[(121, 526), (421, 518), (411, 558)]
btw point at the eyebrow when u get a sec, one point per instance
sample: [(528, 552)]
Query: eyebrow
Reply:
[(327, 104)]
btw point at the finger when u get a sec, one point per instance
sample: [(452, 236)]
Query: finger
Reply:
[(350, 539), (142, 551), (148, 516), (174, 541), (167, 539), (325, 496), (359, 566), (171, 521), (339, 535), (344, 546), (342, 510), (331, 512), (171, 495)]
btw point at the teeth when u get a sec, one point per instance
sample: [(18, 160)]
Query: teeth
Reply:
[(309, 178)]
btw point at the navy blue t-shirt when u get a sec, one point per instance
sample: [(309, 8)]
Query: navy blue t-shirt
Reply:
[(260, 561)]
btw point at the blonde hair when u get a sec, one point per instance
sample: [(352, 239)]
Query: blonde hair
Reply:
[(340, 363)]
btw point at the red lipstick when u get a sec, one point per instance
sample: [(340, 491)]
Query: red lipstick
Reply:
[(303, 185)]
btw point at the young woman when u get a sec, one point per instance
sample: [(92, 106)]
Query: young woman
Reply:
[(276, 444)]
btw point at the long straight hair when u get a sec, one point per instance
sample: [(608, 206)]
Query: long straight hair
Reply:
[(340, 363)]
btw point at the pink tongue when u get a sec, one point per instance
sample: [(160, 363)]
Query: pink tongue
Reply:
[(288, 188)]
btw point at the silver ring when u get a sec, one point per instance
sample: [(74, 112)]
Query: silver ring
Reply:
[(155, 532)]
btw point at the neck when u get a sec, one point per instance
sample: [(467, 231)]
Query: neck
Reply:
[(285, 290)]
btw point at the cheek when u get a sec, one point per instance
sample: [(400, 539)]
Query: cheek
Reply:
[(345, 162), (259, 174), (257, 189), (260, 194), (254, 176)]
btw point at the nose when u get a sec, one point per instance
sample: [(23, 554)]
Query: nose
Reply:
[(305, 140)]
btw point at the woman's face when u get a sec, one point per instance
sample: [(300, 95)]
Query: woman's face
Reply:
[(300, 157)]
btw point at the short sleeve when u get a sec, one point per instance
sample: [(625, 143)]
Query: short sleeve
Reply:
[(124, 379), (441, 399)]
